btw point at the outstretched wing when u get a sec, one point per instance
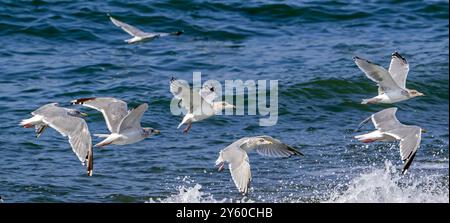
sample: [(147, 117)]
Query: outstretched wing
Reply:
[(399, 69), (410, 137), (239, 167), (77, 131), (113, 110), (133, 119), (271, 148), (377, 74), (133, 31), (386, 120)]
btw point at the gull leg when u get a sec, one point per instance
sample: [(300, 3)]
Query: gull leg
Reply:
[(186, 130)]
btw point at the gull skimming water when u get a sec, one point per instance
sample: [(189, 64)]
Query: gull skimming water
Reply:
[(390, 129), (239, 165)]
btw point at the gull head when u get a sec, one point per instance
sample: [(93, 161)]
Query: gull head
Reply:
[(414, 93), (220, 162), (147, 132), (76, 113)]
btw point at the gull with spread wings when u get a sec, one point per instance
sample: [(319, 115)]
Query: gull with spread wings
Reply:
[(388, 128), (139, 35), (392, 83), (200, 105), (239, 165), (69, 123), (124, 125)]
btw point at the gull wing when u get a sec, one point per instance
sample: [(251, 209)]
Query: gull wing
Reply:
[(274, 148), (113, 110), (133, 119), (377, 74), (79, 136), (133, 31), (208, 93), (410, 137), (182, 91), (386, 120), (239, 168), (399, 69)]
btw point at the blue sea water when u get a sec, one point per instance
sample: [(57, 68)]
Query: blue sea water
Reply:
[(56, 51)]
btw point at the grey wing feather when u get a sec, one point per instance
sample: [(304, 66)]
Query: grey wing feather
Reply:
[(385, 120), (133, 31), (208, 94), (275, 149), (133, 119), (181, 90), (377, 74), (113, 110), (77, 131), (50, 109), (410, 137), (399, 69)]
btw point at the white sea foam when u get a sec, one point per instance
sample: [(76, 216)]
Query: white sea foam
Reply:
[(389, 186), (189, 195)]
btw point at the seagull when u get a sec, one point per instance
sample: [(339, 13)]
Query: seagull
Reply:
[(139, 35), (69, 123), (392, 83), (202, 105), (239, 165), (390, 129), (124, 125)]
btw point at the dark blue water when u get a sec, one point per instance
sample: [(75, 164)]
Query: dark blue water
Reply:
[(58, 51)]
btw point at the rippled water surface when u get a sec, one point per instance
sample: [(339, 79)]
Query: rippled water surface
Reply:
[(55, 51)]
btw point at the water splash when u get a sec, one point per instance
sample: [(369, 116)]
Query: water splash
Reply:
[(389, 186), (188, 195)]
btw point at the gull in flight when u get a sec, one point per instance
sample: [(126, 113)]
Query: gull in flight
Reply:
[(388, 128), (69, 123), (139, 35), (239, 165), (201, 106), (124, 125), (392, 83)]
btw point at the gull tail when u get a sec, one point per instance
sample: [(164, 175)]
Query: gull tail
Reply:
[(30, 122), (109, 139)]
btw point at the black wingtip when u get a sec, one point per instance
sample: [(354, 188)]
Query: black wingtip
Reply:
[(408, 163), (396, 54)]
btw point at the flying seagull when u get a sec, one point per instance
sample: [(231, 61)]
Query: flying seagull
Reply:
[(392, 83), (199, 105), (69, 123), (239, 165), (390, 129), (139, 35), (124, 125)]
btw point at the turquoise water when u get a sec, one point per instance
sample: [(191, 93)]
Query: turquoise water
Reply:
[(56, 51)]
